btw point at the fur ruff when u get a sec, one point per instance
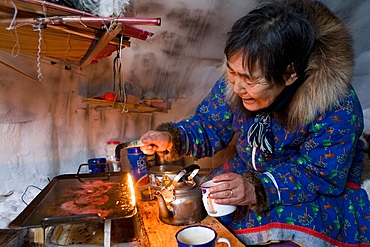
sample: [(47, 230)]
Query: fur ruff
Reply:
[(366, 186)]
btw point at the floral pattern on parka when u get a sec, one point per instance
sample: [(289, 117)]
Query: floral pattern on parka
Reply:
[(317, 170)]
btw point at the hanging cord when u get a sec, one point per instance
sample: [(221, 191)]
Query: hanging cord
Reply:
[(83, 24), (118, 85), (43, 8), (103, 23), (125, 107), (116, 67), (17, 44), (11, 25), (114, 75), (39, 28), (38, 59)]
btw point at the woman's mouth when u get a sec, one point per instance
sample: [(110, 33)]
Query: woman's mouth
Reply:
[(247, 100)]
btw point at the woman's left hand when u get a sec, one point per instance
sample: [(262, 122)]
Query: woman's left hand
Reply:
[(236, 190)]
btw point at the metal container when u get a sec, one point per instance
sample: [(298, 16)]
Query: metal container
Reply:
[(126, 232), (181, 202), (156, 174), (78, 198), (138, 165)]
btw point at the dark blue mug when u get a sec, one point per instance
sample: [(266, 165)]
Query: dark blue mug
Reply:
[(198, 236), (97, 165)]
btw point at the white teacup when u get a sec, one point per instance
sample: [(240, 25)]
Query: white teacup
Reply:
[(214, 209), (198, 235)]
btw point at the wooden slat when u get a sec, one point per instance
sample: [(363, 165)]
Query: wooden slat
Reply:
[(73, 42), (131, 105), (113, 30)]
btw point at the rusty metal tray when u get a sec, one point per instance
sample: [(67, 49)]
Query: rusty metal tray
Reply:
[(126, 232), (73, 198)]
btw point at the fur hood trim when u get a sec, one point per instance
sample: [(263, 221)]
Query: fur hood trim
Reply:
[(329, 70)]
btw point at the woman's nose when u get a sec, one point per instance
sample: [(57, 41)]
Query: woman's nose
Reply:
[(238, 87)]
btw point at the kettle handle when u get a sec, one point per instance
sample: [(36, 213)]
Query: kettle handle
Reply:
[(177, 178), (188, 173), (191, 172)]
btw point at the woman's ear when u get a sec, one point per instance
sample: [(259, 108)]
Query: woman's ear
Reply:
[(292, 78), (290, 75)]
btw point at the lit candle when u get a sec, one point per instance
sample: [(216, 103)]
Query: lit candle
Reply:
[(132, 190)]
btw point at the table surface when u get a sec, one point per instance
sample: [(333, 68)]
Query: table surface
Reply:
[(163, 235)]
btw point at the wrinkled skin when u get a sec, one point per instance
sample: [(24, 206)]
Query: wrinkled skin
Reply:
[(156, 141)]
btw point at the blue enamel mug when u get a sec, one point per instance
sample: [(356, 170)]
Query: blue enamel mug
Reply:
[(198, 236), (97, 165)]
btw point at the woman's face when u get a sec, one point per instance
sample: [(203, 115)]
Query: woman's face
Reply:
[(255, 92)]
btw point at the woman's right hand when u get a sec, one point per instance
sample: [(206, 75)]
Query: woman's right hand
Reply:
[(156, 141)]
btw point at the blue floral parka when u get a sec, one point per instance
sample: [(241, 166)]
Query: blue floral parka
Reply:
[(312, 180)]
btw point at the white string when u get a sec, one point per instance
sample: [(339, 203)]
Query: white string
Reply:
[(274, 182), (43, 8), (83, 24), (17, 44), (104, 25), (254, 158), (39, 73), (11, 25)]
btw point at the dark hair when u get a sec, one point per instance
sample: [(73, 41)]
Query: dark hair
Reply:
[(275, 36)]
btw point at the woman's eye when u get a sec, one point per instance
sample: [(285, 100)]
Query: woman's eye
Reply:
[(250, 82), (247, 80), (230, 72)]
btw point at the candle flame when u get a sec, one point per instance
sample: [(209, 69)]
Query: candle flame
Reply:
[(132, 189)]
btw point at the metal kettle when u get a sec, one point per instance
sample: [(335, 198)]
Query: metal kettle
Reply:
[(181, 202)]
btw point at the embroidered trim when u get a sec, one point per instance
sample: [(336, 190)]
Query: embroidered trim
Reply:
[(353, 185), (319, 237)]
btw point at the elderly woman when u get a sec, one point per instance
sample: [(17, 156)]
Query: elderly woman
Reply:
[(286, 94)]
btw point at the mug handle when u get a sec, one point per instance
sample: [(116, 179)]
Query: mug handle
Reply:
[(223, 240)]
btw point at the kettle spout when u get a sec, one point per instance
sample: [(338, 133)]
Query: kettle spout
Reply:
[(164, 211)]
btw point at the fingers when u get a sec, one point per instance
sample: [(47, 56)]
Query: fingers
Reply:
[(150, 137), (225, 177), (226, 197), (148, 149), (235, 190), (155, 141)]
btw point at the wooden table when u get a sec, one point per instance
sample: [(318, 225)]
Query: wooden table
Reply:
[(163, 235)]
